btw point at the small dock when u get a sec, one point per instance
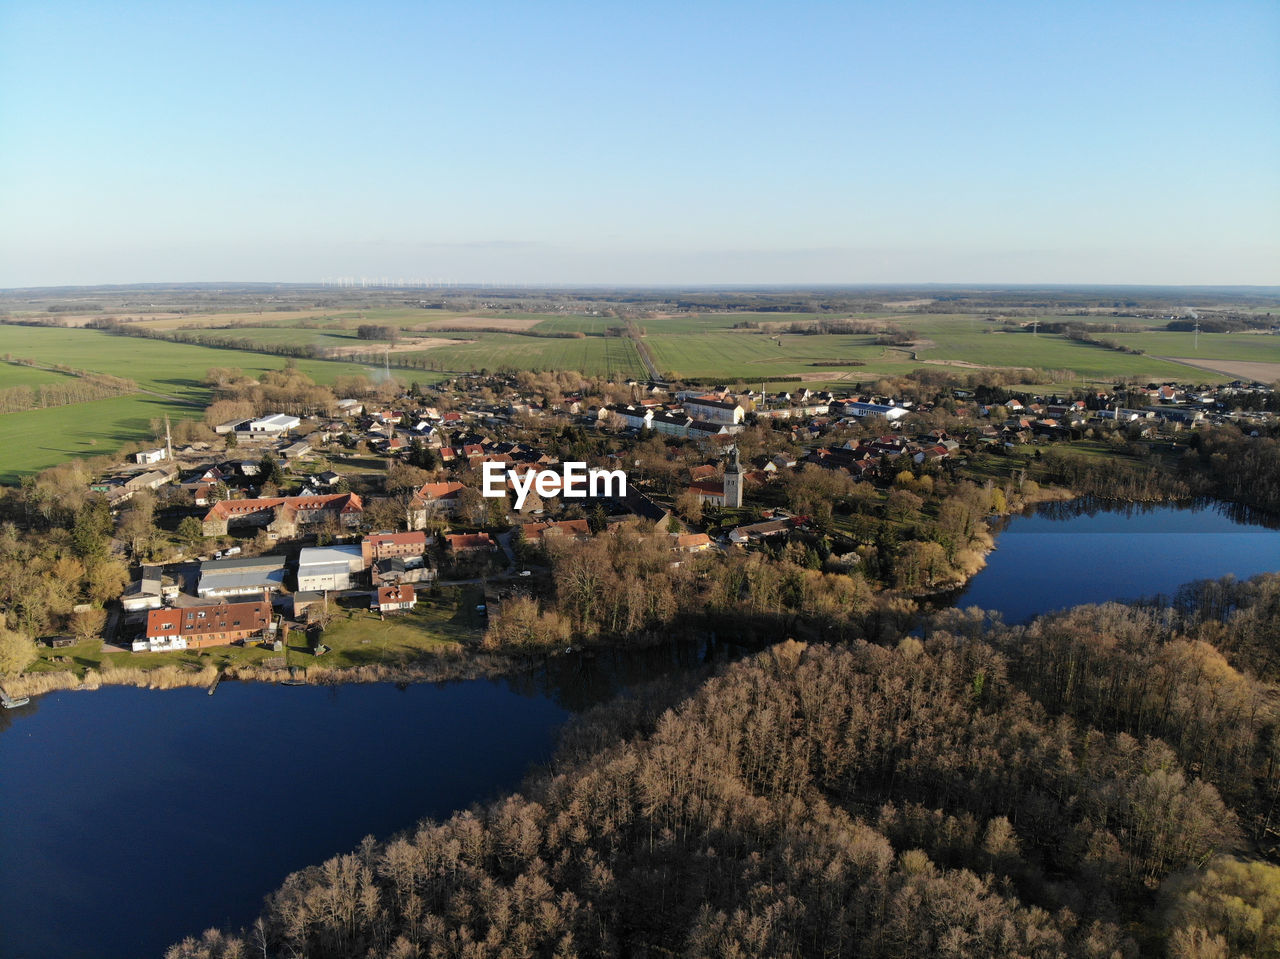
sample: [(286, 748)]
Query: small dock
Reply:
[(213, 687), (9, 703)]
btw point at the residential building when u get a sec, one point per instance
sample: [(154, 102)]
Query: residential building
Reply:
[(394, 599), (378, 546), (283, 515), (195, 627)]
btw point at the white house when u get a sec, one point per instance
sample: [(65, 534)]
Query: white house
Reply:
[(150, 456)]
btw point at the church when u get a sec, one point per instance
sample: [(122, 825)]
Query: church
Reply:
[(725, 493)]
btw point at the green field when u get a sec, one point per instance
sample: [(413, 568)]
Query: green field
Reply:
[(1250, 347), (38, 439), (592, 355), (14, 374), (1045, 352), (175, 369)]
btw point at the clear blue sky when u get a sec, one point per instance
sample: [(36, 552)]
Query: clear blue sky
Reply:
[(647, 143)]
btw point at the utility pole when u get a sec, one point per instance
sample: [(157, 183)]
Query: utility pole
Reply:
[(168, 439)]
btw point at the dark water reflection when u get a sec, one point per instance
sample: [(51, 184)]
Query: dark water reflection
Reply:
[(130, 818), (1086, 551)]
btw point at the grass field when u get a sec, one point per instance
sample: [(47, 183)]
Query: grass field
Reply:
[(1046, 352), (592, 355), (175, 369), (1253, 347), (37, 439), (14, 374)]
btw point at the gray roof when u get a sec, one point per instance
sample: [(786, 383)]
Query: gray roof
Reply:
[(241, 580), (241, 564)]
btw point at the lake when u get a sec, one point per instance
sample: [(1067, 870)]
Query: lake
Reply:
[(1064, 554), (131, 818)]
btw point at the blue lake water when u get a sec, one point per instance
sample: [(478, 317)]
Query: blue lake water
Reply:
[(131, 818), (1062, 555)]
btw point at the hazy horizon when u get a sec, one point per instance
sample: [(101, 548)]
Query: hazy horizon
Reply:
[(665, 145)]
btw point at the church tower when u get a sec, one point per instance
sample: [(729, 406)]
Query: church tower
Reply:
[(733, 482)]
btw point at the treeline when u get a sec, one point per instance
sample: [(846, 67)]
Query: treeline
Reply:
[(539, 334), (1110, 478), (299, 351), (81, 386), (369, 331), (811, 801)]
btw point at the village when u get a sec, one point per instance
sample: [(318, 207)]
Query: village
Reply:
[(281, 523)]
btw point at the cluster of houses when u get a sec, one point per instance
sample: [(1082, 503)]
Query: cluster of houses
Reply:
[(230, 599)]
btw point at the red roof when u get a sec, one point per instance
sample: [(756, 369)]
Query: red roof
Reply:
[(388, 595), (435, 491), (466, 541), (202, 620), (418, 538), (344, 502)]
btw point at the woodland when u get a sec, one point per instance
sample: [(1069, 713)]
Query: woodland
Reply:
[(1100, 783)]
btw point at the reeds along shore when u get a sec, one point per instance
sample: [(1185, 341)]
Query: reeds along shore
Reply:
[(178, 677)]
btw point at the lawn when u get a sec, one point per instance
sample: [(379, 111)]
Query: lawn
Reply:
[(358, 637)]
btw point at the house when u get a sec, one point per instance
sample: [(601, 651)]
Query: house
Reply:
[(758, 532), (283, 515), (151, 590), (296, 450), (394, 599), (539, 533), (693, 542), (327, 478), (328, 567), (460, 543), (378, 546), (147, 457), (196, 627), (715, 409), (434, 499), (241, 576)]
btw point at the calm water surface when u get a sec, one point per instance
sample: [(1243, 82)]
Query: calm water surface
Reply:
[(1065, 554), (131, 818)]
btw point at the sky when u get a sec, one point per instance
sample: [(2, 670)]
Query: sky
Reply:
[(653, 143)]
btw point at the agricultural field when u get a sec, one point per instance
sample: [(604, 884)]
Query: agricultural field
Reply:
[(1260, 347), (960, 346), (591, 355), (749, 356), (15, 374), (37, 439), (174, 369), (172, 372)]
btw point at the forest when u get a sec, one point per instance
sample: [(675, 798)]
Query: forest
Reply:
[(1100, 783)]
